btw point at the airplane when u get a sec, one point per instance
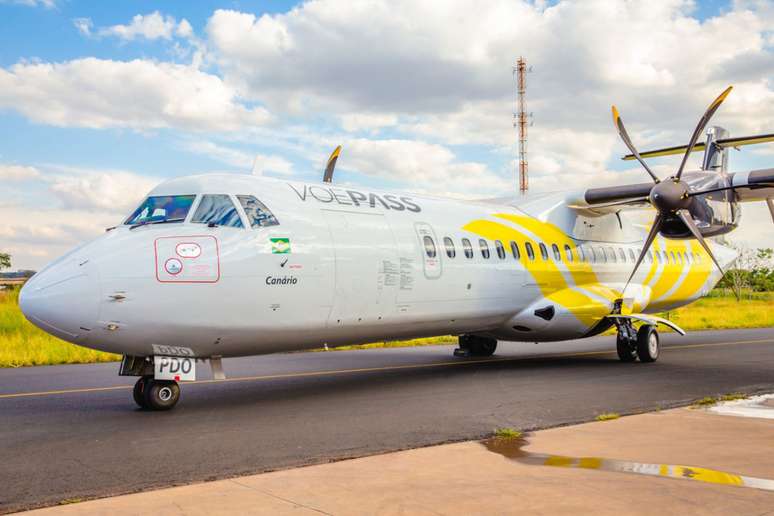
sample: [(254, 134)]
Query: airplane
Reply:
[(227, 265)]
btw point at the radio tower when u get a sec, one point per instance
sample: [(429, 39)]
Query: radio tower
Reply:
[(520, 120)]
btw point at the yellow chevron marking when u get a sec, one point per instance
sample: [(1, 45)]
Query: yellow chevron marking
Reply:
[(694, 280), (581, 272), (546, 274)]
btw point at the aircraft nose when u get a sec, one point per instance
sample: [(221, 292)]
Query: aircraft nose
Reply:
[(63, 299)]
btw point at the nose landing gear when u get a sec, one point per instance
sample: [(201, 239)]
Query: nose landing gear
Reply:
[(152, 394)]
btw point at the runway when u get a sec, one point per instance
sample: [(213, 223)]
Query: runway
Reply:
[(73, 431)]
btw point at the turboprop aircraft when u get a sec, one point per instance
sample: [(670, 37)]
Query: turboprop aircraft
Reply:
[(227, 265)]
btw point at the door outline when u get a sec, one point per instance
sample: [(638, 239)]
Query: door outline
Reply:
[(432, 267)]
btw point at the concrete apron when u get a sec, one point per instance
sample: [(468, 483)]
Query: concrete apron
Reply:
[(688, 461)]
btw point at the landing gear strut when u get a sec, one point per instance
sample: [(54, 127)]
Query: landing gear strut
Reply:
[(475, 346), (632, 344), (152, 394)]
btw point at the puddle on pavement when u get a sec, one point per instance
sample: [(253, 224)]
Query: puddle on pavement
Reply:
[(755, 406), (513, 449)]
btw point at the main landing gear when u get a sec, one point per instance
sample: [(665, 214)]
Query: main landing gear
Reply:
[(152, 394), (632, 344), (475, 346)]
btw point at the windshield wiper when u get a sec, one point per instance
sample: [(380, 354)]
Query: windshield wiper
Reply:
[(155, 222)]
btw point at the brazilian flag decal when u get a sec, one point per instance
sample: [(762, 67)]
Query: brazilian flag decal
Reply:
[(280, 245)]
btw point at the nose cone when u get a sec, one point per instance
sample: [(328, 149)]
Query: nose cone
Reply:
[(63, 300)]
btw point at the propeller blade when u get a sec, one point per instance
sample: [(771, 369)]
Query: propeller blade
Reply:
[(713, 190), (770, 203), (328, 175), (654, 229), (625, 137), (700, 127), (685, 216)]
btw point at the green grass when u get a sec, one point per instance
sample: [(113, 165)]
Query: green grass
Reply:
[(607, 416), (718, 313), (507, 433), (22, 344)]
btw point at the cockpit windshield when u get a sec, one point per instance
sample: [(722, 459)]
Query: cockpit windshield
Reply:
[(162, 208)]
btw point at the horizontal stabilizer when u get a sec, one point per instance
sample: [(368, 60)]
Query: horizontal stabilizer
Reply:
[(723, 143)]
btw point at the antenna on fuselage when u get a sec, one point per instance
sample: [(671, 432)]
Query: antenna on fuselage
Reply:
[(328, 175)]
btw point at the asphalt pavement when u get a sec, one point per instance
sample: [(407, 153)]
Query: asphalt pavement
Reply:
[(73, 432)]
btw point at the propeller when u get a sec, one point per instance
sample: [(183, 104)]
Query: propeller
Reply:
[(328, 175), (671, 197)]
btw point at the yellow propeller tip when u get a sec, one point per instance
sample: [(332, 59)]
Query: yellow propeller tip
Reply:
[(723, 96), (616, 115)]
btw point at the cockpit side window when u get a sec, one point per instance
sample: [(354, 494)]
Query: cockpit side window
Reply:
[(162, 208), (217, 209), (257, 213)]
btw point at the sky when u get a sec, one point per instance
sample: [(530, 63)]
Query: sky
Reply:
[(100, 101)]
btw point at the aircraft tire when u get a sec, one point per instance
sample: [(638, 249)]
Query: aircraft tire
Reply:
[(626, 351), (161, 394), (648, 343), (139, 392), (482, 347)]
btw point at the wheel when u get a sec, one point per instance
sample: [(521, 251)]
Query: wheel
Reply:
[(648, 346), (139, 392), (161, 394), (627, 352), (482, 347)]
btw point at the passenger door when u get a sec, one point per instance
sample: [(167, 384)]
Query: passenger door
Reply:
[(430, 249)]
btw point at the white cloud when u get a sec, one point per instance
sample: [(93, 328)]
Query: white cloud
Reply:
[(138, 94), (83, 25), (442, 71), (148, 26), (239, 158), (48, 4), (18, 172), (115, 191), (423, 166)]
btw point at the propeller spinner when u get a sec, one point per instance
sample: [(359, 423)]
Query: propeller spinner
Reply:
[(671, 197)]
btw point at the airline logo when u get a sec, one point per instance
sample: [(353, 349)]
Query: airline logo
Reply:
[(280, 245), (356, 198)]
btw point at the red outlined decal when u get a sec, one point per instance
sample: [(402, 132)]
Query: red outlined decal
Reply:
[(188, 250), (199, 253)]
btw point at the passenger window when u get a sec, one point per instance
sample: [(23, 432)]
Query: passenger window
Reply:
[(674, 260), (665, 257), (581, 253), (631, 255), (257, 213), (515, 250), (449, 244), (687, 258), (500, 249), (543, 251), (557, 254), (429, 247), (602, 256), (217, 210), (484, 248), (568, 252), (650, 256), (610, 252), (530, 251), (622, 254), (467, 248)]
